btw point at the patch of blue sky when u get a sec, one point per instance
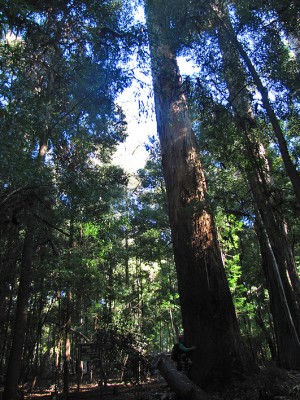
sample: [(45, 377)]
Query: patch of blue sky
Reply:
[(138, 104)]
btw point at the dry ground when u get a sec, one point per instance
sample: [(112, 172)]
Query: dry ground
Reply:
[(270, 384)]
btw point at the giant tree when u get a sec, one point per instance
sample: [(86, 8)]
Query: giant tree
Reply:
[(208, 314), (281, 275), (278, 261)]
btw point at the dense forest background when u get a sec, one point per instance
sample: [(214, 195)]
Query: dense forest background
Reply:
[(87, 250)]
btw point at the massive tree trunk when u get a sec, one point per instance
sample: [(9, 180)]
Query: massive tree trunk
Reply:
[(278, 261), (208, 314)]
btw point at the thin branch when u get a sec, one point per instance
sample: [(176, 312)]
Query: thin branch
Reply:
[(17, 191), (51, 225)]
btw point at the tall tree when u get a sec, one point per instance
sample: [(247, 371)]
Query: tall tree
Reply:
[(278, 261), (19, 329), (208, 314), (288, 15), (257, 170), (290, 167), (51, 103)]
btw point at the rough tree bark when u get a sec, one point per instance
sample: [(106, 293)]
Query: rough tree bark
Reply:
[(208, 314), (278, 262), (226, 26), (287, 337)]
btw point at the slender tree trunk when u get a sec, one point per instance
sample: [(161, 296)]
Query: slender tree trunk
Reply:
[(287, 338), (284, 306), (14, 363), (67, 355), (208, 314), (68, 320), (126, 261), (228, 30), (288, 13), (5, 335), (271, 344), (7, 283), (35, 323)]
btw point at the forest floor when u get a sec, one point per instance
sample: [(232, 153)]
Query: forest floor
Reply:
[(270, 383)]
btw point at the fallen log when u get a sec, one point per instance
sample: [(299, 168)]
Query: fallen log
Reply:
[(184, 388)]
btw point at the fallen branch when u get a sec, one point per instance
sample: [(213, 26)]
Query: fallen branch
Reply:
[(179, 382)]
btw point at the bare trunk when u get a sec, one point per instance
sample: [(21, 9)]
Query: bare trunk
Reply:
[(290, 168), (287, 338), (207, 310), (7, 271), (67, 321), (14, 364), (280, 267), (67, 355)]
